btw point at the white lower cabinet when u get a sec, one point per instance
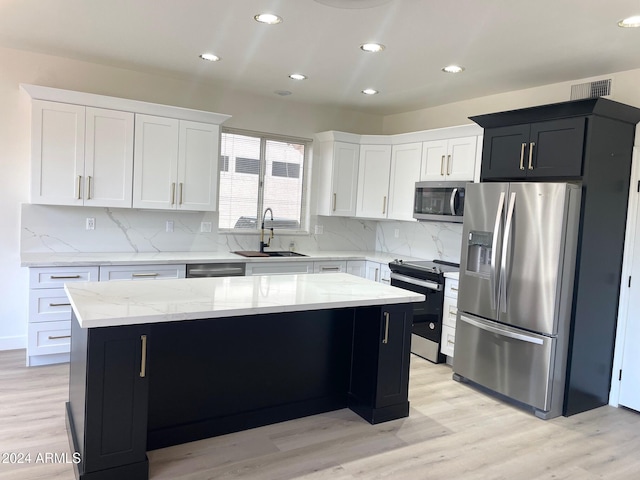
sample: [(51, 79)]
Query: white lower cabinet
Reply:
[(357, 268), (378, 272), (142, 272), (449, 313), (49, 329), (278, 268)]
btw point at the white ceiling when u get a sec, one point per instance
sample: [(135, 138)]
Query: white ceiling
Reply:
[(504, 45)]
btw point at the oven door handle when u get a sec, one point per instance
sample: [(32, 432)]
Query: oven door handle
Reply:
[(415, 281)]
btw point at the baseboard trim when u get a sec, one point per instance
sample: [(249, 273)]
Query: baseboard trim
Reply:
[(13, 343)]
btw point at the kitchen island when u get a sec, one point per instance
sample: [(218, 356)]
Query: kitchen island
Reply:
[(155, 364)]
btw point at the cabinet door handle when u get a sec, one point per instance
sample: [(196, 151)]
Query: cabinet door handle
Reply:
[(384, 205), (442, 166), (524, 145), (63, 277), (89, 187), (334, 202), (449, 162), (143, 356), (386, 328), (59, 304), (58, 337), (145, 274), (454, 289), (173, 193), (377, 275), (531, 145), (181, 187), (79, 180)]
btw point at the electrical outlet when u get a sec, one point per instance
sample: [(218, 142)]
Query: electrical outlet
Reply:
[(169, 226), (319, 229), (91, 223), (396, 233), (205, 227)]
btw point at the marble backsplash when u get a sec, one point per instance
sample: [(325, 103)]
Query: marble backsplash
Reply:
[(47, 228), (59, 229)]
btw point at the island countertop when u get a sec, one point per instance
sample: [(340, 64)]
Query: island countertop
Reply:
[(106, 304)]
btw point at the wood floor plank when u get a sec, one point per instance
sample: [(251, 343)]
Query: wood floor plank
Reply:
[(453, 432)]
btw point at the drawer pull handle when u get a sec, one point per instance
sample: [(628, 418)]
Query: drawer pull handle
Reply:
[(59, 304), (330, 269), (386, 328), (143, 358), (63, 277), (58, 337), (145, 274), (454, 289)]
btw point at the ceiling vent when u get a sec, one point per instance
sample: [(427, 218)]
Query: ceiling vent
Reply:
[(599, 88)]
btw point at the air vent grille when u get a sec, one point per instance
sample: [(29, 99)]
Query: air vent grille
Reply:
[(599, 88)]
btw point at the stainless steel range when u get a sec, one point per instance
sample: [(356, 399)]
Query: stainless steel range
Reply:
[(426, 277)]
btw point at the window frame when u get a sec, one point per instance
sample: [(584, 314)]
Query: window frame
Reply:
[(304, 172)]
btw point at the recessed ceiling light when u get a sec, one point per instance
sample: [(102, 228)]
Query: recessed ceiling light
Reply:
[(369, 91), (630, 22), (372, 47), (453, 69), (268, 18), (210, 57), (297, 76)]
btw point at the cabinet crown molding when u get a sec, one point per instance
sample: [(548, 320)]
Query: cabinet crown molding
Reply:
[(39, 92), (402, 138)]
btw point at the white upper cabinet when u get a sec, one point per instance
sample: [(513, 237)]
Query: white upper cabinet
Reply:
[(175, 164), (338, 178), (108, 164), (373, 181), (81, 155), (452, 159), (405, 172)]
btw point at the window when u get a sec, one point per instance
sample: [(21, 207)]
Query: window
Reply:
[(261, 171)]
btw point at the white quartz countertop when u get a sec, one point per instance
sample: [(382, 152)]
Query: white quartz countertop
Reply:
[(105, 304), (51, 259)]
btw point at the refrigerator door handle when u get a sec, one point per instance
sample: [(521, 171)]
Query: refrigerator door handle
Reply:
[(494, 249), (452, 201), (505, 250), (500, 331)]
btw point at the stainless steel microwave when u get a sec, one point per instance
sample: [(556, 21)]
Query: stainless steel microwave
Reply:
[(442, 201)]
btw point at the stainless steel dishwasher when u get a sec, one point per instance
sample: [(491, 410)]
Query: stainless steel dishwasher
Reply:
[(201, 270)]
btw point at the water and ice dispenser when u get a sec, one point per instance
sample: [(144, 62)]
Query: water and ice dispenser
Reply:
[(479, 252)]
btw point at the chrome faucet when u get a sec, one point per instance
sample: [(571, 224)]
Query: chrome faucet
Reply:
[(262, 243)]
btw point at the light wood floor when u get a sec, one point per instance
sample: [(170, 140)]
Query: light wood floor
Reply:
[(453, 432)]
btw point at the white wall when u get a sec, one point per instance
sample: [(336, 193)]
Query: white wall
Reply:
[(280, 115)]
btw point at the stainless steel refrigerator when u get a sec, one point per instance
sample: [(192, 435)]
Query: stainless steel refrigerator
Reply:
[(515, 293)]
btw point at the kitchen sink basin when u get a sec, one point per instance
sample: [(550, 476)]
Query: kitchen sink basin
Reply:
[(274, 253)]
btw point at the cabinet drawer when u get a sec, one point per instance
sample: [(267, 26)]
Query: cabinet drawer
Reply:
[(271, 268), (48, 305), (451, 288), (329, 267), (49, 337), (141, 272), (448, 340), (449, 313), (56, 277)]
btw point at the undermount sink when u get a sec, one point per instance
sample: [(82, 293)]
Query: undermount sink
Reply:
[(274, 253)]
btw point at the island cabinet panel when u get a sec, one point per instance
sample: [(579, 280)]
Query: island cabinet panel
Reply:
[(380, 363), (550, 149), (108, 396)]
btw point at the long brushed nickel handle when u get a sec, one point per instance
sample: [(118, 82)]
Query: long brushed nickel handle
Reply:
[(78, 197), (386, 328), (145, 274), (384, 205), (329, 269), (524, 145), (173, 193), (531, 145), (59, 304), (449, 162), (442, 166), (181, 188), (334, 202), (89, 187), (143, 357), (63, 277), (58, 337)]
